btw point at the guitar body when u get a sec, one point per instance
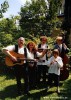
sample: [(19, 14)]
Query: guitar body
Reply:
[(11, 63)]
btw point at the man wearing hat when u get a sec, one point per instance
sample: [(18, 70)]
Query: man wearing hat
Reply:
[(63, 49)]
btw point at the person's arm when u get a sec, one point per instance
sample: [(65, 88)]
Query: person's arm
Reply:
[(59, 62), (7, 50), (41, 54), (49, 62)]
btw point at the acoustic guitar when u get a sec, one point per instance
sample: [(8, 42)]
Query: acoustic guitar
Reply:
[(20, 59), (10, 63)]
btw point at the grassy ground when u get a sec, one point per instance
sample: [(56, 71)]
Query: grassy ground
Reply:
[(8, 89)]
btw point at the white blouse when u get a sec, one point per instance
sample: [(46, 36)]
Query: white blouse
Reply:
[(30, 55), (55, 67), (44, 46)]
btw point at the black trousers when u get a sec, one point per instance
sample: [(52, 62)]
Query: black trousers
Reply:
[(20, 72), (53, 77), (41, 72), (32, 76)]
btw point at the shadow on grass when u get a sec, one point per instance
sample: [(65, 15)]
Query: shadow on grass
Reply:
[(10, 92), (6, 71), (66, 91), (36, 95)]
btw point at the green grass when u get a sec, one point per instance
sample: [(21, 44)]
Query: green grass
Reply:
[(8, 89)]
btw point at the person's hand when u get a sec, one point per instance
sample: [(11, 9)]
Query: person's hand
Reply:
[(64, 45), (14, 58), (49, 53), (45, 51), (52, 62), (35, 60)]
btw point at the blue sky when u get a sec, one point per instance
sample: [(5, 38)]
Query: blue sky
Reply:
[(14, 7)]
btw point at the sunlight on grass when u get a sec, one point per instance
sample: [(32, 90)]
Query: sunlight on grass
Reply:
[(8, 91), (4, 82)]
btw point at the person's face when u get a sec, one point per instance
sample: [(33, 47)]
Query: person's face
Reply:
[(21, 42), (59, 41), (43, 40), (55, 55), (31, 46)]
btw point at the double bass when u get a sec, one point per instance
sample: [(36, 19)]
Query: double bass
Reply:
[(64, 72)]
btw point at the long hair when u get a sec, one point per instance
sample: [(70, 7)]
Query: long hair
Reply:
[(34, 46)]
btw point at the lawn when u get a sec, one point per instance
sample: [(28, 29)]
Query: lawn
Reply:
[(8, 89)]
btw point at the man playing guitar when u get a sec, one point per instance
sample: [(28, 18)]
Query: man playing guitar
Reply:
[(19, 70)]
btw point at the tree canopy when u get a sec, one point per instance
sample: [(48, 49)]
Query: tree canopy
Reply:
[(39, 17), (3, 9)]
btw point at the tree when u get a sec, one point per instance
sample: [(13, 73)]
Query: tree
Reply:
[(66, 25), (37, 18), (3, 9), (33, 17), (8, 29)]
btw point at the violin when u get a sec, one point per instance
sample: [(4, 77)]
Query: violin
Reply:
[(46, 49)]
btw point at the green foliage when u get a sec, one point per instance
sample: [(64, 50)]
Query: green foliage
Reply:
[(37, 18), (6, 39), (33, 19), (9, 31), (53, 8), (7, 25), (4, 7)]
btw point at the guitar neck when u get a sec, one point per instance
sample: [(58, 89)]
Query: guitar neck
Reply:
[(26, 59)]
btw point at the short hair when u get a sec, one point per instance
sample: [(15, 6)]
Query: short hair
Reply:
[(43, 37), (22, 38), (56, 51), (59, 38)]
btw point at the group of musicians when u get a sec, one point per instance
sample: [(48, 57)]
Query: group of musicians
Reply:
[(39, 61)]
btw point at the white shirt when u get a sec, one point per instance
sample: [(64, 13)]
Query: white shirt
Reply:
[(60, 47), (55, 67), (44, 46), (30, 55), (12, 48)]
